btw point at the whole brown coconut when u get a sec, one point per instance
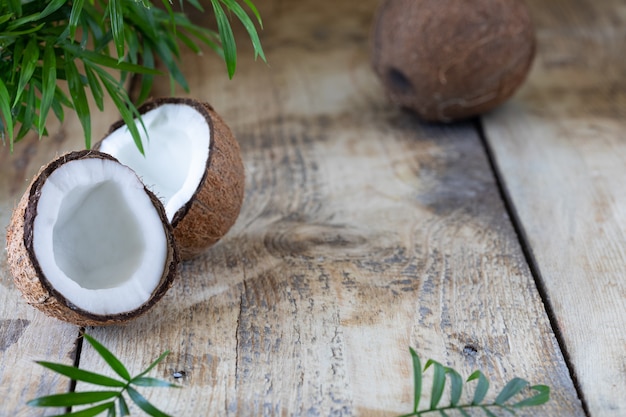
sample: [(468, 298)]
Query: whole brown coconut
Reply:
[(452, 59), (192, 162), (89, 244)]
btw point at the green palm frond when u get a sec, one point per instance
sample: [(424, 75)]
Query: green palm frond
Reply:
[(516, 394), (111, 401), (45, 43)]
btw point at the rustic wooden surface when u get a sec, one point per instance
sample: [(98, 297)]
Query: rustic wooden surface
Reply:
[(560, 148), (363, 232)]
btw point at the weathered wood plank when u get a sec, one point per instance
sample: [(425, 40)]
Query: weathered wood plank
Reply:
[(363, 232), (560, 147)]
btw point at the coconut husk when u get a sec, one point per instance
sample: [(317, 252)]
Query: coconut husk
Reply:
[(216, 203), (27, 273), (452, 59)]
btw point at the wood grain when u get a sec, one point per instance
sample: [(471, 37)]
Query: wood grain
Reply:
[(560, 147), (363, 232)]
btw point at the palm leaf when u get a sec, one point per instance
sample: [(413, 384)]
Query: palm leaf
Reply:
[(542, 397), (481, 388), (117, 26), (91, 411), (29, 62), (5, 110), (49, 79), (417, 379), (227, 38), (109, 358), (77, 8), (144, 404), (155, 363), (248, 25), (81, 375), (512, 388), (79, 98), (72, 398)]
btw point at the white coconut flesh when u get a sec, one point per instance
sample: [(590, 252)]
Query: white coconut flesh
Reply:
[(176, 151), (98, 238)]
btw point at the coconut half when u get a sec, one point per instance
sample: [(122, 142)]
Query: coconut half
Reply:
[(89, 244), (192, 163)]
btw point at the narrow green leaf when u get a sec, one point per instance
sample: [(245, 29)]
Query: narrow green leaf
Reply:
[(481, 388), (15, 6), (26, 115), (155, 363), (439, 382), (109, 358), (117, 26), (49, 79), (226, 37), (106, 61), (144, 404), (61, 97), (456, 386), (5, 109), (170, 13), (29, 62), (111, 412), (72, 398), (417, 379), (207, 37), (254, 11), (170, 62), (121, 101), (123, 407), (78, 374), (5, 18), (79, 98), (196, 4), (91, 21), (84, 39), (538, 399), (77, 8), (52, 7), (189, 43), (18, 51), (513, 387), (146, 79), (90, 412), (146, 381), (146, 21), (14, 33), (248, 24), (95, 87), (132, 40), (57, 108)]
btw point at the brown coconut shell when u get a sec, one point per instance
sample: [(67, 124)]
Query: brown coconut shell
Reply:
[(27, 273), (452, 59), (216, 203)]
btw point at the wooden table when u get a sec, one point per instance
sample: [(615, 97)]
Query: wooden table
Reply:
[(497, 245)]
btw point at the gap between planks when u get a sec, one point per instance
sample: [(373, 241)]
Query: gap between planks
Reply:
[(531, 260)]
